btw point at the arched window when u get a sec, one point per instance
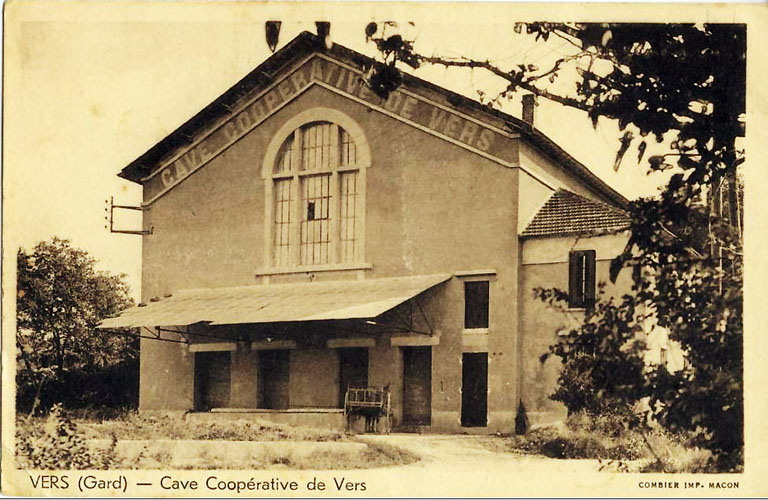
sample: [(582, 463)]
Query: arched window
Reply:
[(316, 186)]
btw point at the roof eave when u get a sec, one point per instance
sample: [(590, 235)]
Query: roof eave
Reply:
[(588, 232), (142, 166)]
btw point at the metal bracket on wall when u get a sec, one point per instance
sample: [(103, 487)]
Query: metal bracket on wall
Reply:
[(157, 334), (110, 209), (182, 334), (407, 321)]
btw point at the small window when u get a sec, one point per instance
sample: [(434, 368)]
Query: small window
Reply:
[(581, 279), (663, 360), (475, 304)]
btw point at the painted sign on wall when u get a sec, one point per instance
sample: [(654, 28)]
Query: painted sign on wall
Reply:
[(401, 104)]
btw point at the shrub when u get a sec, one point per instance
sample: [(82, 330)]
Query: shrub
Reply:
[(78, 390), (611, 423), (521, 419), (573, 447), (554, 443), (629, 448), (57, 445)]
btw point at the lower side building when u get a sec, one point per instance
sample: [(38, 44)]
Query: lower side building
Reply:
[(290, 352)]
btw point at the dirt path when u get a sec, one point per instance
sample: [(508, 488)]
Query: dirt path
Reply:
[(445, 449), (453, 465), (473, 451)]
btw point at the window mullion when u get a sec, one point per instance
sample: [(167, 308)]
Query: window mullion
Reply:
[(296, 200), (360, 205), (335, 191), (295, 227)]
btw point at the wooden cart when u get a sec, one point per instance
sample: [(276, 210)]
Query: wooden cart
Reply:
[(373, 403)]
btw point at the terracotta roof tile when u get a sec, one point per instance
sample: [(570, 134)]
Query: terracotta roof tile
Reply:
[(568, 213)]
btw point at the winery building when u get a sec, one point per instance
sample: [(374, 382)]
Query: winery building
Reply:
[(305, 237)]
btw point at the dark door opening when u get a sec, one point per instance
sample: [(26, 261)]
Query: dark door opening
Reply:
[(353, 370), (417, 385), (211, 380), (474, 389), (273, 378)]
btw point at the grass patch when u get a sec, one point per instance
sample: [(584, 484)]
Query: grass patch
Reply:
[(56, 443), (135, 441), (609, 440), (384, 455), (145, 427)]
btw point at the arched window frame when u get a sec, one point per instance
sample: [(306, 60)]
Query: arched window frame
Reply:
[(337, 120)]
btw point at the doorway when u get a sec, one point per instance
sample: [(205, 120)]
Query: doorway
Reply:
[(353, 370), (417, 385), (474, 389), (212, 380), (273, 379)]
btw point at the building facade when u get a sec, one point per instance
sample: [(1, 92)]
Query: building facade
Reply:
[(306, 236)]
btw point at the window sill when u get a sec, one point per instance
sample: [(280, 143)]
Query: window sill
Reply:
[(576, 309), (475, 272), (272, 271), (475, 331)]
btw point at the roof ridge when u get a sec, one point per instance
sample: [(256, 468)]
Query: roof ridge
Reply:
[(309, 42), (590, 200)]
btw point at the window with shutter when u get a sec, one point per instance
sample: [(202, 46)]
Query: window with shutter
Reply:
[(581, 279)]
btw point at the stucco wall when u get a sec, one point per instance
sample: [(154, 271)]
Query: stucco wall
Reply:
[(545, 265), (533, 194), (538, 163), (431, 207), (314, 378), (166, 376), (244, 378)]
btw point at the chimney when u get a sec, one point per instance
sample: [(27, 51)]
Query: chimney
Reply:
[(324, 33), (529, 107)]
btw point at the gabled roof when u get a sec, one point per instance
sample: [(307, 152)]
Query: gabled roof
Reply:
[(307, 43), (566, 213)]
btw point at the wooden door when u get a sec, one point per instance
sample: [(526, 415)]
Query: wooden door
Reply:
[(474, 389), (273, 379), (212, 380), (353, 370), (417, 385)]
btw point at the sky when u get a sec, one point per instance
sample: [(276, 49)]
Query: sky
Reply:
[(90, 87)]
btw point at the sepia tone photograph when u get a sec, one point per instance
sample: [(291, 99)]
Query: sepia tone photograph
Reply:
[(381, 249)]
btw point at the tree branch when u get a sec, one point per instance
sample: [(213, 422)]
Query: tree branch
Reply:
[(514, 78)]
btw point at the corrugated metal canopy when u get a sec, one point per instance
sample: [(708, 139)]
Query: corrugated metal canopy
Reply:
[(324, 300)]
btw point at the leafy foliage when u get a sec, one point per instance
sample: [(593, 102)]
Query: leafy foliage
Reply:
[(603, 366), (61, 298), (682, 87), (698, 301), (58, 445)]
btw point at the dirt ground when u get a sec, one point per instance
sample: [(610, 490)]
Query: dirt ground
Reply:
[(466, 450), (462, 465)]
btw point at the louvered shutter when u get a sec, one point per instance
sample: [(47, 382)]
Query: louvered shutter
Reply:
[(589, 286)]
